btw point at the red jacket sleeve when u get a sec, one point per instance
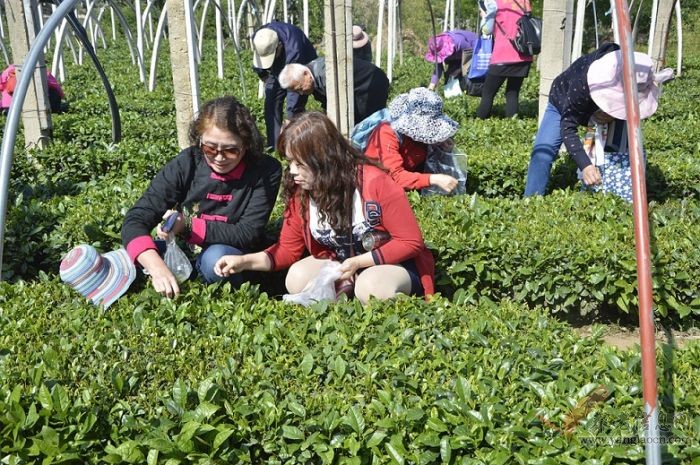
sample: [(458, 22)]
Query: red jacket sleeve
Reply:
[(290, 246), (397, 218), (383, 145)]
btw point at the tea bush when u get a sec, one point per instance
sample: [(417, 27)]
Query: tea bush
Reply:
[(218, 376)]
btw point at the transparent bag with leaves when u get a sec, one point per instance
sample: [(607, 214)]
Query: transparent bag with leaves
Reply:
[(176, 260), (451, 163)]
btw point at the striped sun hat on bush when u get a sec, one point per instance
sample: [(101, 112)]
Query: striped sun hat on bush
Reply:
[(100, 278)]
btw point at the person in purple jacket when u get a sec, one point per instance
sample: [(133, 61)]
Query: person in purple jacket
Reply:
[(452, 51), (277, 44)]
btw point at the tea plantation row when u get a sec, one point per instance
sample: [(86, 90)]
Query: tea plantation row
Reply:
[(535, 251), (219, 377)]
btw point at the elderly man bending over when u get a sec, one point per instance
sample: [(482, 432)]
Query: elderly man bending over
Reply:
[(371, 86)]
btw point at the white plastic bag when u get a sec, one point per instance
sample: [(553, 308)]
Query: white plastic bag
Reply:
[(452, 88), (176, 260), (322, 287)]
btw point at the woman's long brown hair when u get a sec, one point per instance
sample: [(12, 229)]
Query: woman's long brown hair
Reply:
[(312, 139)]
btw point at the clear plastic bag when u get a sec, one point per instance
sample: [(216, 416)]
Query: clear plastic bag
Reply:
[(176, 260), (440, 162), (452, 88), (322, 287)]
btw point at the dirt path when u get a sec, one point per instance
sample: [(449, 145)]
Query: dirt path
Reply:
[(625, 338)]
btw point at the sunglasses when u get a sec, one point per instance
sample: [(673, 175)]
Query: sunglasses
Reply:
[(212, 150)]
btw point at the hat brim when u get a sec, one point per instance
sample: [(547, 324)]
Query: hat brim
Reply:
[(416, 127), (361, 42), (607, 89), (446, 48), (263, 61), (122, 273)]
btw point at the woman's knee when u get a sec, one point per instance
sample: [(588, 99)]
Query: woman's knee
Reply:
[(382, 282), (301, 272), (209, 257)]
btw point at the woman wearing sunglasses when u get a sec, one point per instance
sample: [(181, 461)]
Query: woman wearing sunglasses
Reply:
[(222, 189), (336, 199)]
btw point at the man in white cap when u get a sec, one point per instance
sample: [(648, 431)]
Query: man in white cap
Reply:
[(277, 44), (590, 89)]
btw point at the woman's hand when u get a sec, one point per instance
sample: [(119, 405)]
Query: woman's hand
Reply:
[(228, 265), (162, 278), (591, 175), (178, 227), (349, 267), (431, 86), (443, 181)]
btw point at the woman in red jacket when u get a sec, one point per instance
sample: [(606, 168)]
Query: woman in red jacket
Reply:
[(335, 197), (401, 144)]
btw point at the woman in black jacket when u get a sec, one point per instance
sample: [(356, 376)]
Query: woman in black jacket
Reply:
[(222, 188)]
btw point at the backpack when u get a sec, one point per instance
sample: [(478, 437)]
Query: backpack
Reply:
[(528, 39), (363, 130)]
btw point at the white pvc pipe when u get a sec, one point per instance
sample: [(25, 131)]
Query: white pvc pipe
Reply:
[(306, 17), (40, 17), (380, 27), (202, 26), (679, 29), (285, 11), (391, 37), (652, 27), (58, 49), (156, 47), (239, 18), (99, 30), (445, 23), (88, 14), (192, 62), (219, 41), (114, 24), (139, 37), (270, 10), (2, 28), (578, 30), (615, 24), (231, 18)]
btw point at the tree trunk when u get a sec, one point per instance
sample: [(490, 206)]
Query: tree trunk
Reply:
[(184, 66), (36, 112), (555, 57), (658, 36), (339, 66)]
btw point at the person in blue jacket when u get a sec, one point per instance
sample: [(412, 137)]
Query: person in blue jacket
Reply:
[(277, 44)]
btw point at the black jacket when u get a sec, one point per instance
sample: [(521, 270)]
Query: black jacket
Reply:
[(232, 209), (572, 97), (371, 86)]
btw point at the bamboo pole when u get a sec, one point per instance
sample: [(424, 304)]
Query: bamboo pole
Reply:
[(641, 234)]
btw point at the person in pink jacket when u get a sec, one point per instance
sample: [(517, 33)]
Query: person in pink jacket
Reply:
[(500, 19), (336, 200), (8, 81)]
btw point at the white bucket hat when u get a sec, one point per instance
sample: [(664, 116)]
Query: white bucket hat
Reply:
[(418, 115)]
